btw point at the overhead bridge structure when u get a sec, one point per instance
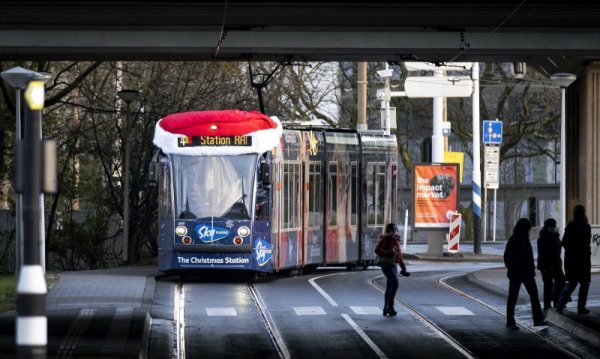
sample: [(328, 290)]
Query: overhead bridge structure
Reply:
[(552, 36)]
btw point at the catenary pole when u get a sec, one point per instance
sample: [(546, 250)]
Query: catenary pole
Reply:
[(476, 161)]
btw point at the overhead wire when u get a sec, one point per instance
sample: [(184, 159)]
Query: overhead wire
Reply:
[(488, 34), (223, 33)]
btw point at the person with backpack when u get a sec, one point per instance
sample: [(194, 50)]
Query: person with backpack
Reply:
[(518, 258), (578, 261), (550, 264), (389, 254)]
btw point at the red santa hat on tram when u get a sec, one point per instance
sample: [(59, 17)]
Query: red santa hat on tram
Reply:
[(172, 130)]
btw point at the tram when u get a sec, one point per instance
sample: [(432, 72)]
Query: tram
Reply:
[(237, 191)]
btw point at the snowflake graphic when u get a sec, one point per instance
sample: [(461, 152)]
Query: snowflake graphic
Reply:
[(229, 223)]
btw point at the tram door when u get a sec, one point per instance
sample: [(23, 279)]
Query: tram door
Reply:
[(379, 195), (341, 242), (288, 202), (313, 197)]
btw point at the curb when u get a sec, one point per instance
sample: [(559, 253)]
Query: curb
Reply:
[(572, 326), (448, 257), (551, 315)]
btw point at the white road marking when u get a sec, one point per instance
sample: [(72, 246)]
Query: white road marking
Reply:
[(455, 310), (221, 312), (179, 316), (365, 337), (309, 311), (366, 310), (321, 291)]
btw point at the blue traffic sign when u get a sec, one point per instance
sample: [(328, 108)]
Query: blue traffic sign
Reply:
[(492, 132)]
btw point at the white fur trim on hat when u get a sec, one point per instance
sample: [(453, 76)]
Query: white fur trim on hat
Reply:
[(262, 141)]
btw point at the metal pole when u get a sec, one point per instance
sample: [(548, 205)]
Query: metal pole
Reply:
[(495, 217), (387, 98), (19, 205), (484, 207), (563, 162), (405, 230), (125, 256), (563, 80), (476, 161), (437, 139), (32, 324)]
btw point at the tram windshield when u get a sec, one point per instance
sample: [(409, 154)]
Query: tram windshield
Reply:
[(214, 186)]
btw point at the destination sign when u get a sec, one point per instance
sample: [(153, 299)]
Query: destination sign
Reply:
[(215, 141)]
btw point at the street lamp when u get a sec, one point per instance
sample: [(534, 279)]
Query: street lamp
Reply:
[(563, 80), (18, 78), (128, 96)]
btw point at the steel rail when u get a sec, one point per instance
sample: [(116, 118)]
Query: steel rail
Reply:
[(428, 323), (441, 281), (272, 329)]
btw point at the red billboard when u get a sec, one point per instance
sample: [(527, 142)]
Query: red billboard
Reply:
[(435, 195)]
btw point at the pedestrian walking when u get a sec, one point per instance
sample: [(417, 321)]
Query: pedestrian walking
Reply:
[(518, 258), (550, 264), (578, 262), (389, 254)]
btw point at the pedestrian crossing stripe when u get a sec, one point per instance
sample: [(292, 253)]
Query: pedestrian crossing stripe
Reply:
[(309, 311), (455, 310), (221, 312), (365, 310)]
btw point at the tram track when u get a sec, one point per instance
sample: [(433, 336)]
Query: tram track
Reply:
[(179, 321), (427, 322), (272, 329), (442, 282)]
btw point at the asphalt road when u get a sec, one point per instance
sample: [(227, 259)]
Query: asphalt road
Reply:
[(338, 314)]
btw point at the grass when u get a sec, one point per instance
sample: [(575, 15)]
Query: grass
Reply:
[(8, 290), (8, 293)]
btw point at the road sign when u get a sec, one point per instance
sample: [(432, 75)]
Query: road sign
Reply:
[(491, 159), (492, 132), (445, 86)]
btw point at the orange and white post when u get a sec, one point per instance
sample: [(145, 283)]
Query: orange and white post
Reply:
[(454, 232)]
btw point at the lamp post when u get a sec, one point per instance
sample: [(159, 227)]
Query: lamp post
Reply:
[(128, 96), (18, 78), (563, 80)]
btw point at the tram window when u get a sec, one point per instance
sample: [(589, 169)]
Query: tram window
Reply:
[(315, 203), (353, 195), (291, 191), (375, 193), (380, 194), (164, 194), (332, 193), (214, 186)]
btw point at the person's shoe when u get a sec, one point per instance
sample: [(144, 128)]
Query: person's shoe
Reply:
[(560, 309), (546, 308), (392, 312), (542, 323), (583, 311), (512, 327)]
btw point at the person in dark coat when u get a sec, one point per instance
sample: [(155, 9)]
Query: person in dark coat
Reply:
[(518, 258), (578, 262), (388, 246), (550, 264)]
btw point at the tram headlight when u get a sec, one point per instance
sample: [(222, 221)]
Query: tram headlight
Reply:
[(181, 231), (243, 231)]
